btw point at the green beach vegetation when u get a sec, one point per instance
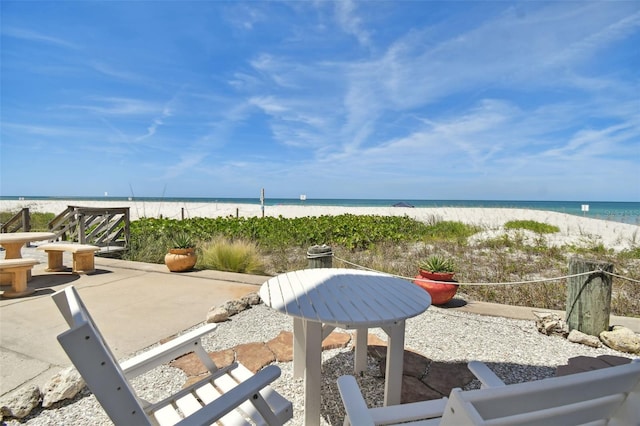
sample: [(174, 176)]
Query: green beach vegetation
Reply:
[(532, 225), (397, 245), (39, 221)]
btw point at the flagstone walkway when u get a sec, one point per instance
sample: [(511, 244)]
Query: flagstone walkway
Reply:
[(423, 378)]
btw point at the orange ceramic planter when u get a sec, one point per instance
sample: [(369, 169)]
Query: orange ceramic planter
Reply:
[(179, 260)]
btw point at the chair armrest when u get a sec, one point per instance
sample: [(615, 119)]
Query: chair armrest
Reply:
[(487, 377), (232, 398), (423, 412), (354, 404), (166, 352), (358, 414)]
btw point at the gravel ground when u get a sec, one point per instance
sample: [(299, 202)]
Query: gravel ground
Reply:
[(512, 348)]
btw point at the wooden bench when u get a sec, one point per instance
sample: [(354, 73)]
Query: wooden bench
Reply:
[(83, 257), (18, 269)]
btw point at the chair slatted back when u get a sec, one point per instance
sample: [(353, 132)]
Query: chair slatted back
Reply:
[(593, 396), (95, 362)]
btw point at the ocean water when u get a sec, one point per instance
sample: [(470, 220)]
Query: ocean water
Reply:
[(622, 211)]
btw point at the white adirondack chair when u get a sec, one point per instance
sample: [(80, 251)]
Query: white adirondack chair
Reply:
[(230, 395), (609, 396)]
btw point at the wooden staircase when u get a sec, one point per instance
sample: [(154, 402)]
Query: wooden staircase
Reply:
[(20, 222), (107, 228)]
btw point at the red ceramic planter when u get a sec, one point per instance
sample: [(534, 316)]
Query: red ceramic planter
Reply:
[(436, 276), (439, 285)]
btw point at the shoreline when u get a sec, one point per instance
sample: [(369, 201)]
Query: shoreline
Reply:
[(573, 229)]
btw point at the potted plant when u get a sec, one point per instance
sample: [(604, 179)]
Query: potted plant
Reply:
[(438, 268), (182, 255), (436, 277)]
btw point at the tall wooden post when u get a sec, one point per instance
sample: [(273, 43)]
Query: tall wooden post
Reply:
[(26, 219), (320, 256), (589, 296), (82, 229)]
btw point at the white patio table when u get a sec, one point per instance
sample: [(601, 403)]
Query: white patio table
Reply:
[(321, 299)]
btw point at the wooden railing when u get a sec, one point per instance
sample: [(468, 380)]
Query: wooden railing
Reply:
[(107, 228), (20, 222)]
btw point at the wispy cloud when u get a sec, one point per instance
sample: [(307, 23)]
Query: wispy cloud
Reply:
[(120, 74), (244, 16), (117, 106), (350, 22), (187, 163), (37, 37), (159, 120), (356, 95)]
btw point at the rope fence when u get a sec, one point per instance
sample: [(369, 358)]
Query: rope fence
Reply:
[(540, 280), (588, 302)]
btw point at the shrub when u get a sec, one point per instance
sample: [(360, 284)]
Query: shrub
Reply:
[(532, 225), (233, 256), (449, 230), (39, 221), (147, 248)]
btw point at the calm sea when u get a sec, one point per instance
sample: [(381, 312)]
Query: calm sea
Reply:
[(627, 212)]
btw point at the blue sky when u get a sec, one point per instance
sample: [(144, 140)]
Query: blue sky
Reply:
[(378, 99)]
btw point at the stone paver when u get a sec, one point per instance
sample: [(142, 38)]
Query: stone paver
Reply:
[(423, 379), (581, 363)]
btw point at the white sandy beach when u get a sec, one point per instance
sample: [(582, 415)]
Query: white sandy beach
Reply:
[(573, 229)]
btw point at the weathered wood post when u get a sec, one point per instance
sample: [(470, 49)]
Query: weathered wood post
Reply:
[(589, 296), (82, 229), (320, 256), (26, 219)]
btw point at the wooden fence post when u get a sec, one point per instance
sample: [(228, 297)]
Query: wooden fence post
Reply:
[(26, 219), (320, 256), (82, 231), (589, 296)]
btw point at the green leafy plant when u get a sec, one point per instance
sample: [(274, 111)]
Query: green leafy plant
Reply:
[(396, 245), (437, 263), (182, 240)]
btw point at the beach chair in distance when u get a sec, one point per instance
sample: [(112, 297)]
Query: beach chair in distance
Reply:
[(608, 396), (228, 395)]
